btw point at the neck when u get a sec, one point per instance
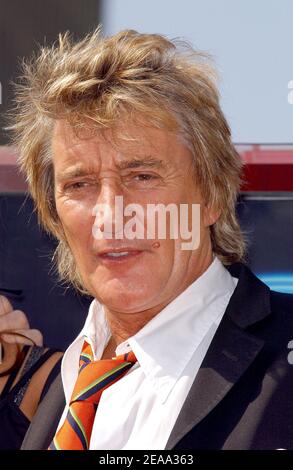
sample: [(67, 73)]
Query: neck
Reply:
[(124, 325)]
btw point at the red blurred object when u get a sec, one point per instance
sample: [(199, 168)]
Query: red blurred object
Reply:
[(10, 178), (266, 168)]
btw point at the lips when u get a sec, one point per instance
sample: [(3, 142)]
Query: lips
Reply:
[(119, 254)]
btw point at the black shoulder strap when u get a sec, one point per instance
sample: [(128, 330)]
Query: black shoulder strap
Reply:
[(55, 371), (46, 419)]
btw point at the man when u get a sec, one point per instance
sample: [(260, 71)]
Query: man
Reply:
[(182, 347)]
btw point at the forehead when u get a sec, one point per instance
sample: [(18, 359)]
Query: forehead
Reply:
[(91, 146)]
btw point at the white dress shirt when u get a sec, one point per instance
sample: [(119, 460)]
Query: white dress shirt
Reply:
[(140, 410)]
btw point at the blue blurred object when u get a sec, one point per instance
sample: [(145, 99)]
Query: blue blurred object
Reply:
[(280, 282), (267, 222)]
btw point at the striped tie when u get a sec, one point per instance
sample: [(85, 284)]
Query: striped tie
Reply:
[(93, 378)]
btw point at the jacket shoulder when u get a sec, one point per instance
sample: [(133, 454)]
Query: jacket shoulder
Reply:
[(281, 302)]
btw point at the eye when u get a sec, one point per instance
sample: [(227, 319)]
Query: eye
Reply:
[(77, 185), (145, 177), (142, 180)]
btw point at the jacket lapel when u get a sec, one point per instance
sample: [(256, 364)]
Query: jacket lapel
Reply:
[(231, 352)]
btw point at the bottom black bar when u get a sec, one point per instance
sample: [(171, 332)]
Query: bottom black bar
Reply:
[(143, 459)]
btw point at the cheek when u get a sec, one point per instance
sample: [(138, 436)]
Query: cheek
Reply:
[(180, 257), (75, 219), (164, 260)]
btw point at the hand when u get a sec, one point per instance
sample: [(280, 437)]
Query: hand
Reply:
[(14, 323)]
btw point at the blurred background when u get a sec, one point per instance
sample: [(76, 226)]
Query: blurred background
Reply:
[(252, 46)]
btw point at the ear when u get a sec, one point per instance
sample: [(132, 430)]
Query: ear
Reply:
[(210, 215)]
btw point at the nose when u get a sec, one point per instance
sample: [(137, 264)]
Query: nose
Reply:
[(108, 212)]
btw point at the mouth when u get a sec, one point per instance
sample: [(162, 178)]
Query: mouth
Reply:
[(118, 256)]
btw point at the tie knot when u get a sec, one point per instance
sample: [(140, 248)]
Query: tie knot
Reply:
[(87, 356), (96, 376)]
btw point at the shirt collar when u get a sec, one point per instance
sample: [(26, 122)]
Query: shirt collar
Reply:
[(166, 344), (97, 334)]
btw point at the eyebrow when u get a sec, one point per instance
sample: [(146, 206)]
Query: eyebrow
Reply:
[(147, 162), (72, 173)]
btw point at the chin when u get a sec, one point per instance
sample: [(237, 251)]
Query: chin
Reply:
[(124, 293), (126, 307), (125, 301)]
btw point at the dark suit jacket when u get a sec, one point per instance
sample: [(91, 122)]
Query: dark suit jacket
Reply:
[(242, 395)]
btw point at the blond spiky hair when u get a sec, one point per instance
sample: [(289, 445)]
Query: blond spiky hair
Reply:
[(97, 79)]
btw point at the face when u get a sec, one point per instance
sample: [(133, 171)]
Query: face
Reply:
[(155, 166)]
